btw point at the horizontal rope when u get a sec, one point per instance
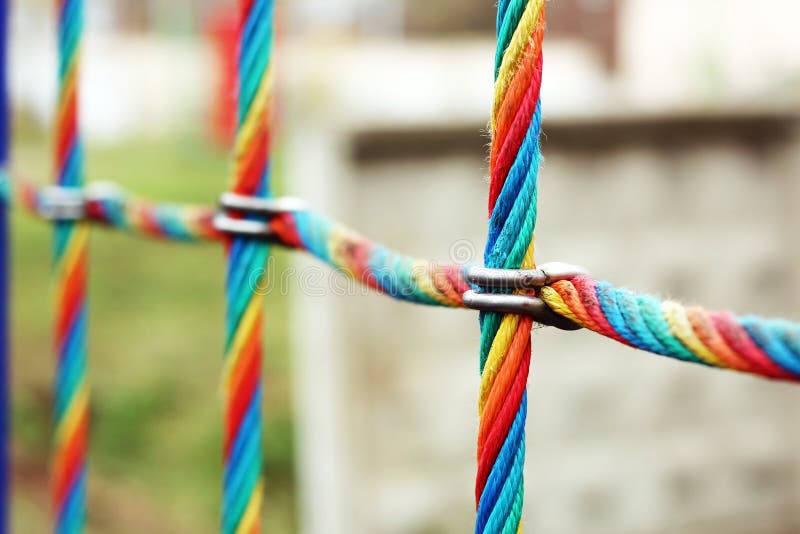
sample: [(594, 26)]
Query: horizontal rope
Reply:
[(120, 210), (765, 347)]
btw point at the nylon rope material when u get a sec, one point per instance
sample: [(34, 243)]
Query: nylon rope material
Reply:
[(242, 485), (749, 344), (505, 348), (71, 396)]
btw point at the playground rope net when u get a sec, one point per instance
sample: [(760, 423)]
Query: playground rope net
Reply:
[(249, 220)]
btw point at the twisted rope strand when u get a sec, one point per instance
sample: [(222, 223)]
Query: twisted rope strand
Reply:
[(70, 252), (369, 263), (720, 339), (765, 347), (243, 486), (115, 209), (770, 348), (505, 350)]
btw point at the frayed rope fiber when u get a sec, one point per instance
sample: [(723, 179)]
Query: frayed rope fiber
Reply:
[(749, 344), (766, 347)]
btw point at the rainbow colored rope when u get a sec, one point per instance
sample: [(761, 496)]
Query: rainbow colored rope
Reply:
[(71, 410), (754, 345), (684, 332), (112, 207), (765, 347), (505, 349), (242, 488), (388, 272)]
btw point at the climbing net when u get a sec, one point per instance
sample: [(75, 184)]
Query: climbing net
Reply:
[(509, 290)]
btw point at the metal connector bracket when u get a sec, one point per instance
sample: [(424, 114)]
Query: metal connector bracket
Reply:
[(269, 207), (57, 203), (265, 208), (545, 274), (511, 279), (243, 227)]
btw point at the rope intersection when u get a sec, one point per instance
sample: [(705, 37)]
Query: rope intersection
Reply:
[(764, 347), (688, 333)]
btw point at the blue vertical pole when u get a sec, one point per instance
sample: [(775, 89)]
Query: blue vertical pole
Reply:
[(5, 260)]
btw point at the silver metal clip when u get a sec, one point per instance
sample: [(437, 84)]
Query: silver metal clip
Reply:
[(58, 203), (243, 227), (508, 279), (267, 208)]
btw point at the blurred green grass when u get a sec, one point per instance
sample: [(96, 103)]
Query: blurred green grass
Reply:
[(155, 342)]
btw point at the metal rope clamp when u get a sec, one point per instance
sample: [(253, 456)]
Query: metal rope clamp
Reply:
[(60, 203), (520, 279), (264, 208)]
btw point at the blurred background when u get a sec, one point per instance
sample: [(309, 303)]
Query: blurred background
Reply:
[(672, 145)]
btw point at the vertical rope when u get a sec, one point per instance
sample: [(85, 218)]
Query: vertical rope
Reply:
[(242, 486), (71, 414), (505, 349), (5, 260)]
